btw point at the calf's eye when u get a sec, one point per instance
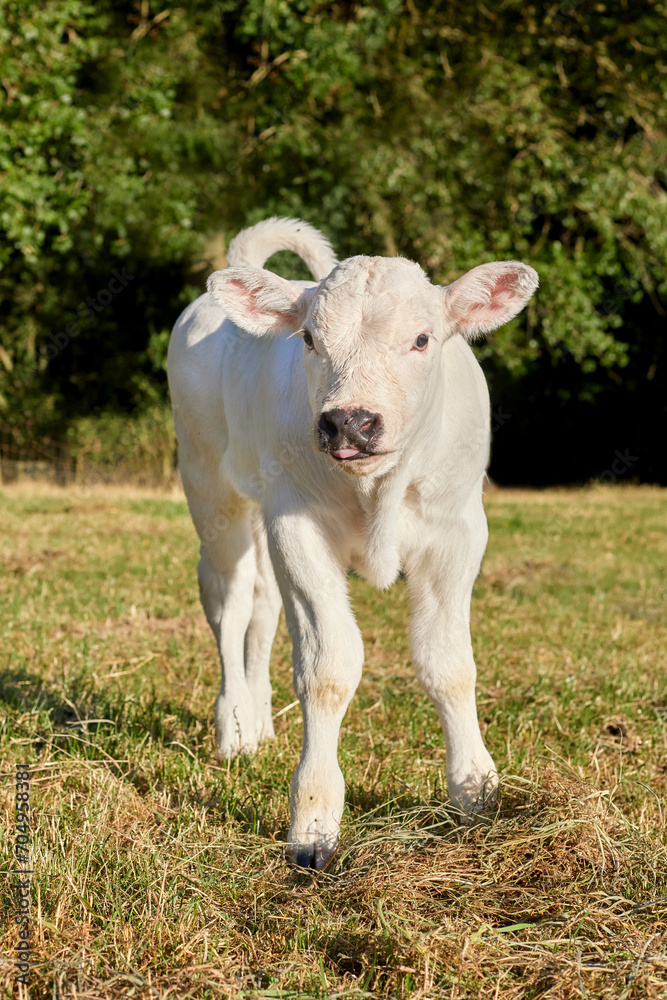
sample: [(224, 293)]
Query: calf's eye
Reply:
[(421, 342), (308, 339)]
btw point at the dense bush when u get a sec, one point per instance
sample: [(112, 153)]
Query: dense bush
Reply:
[(138, 138)]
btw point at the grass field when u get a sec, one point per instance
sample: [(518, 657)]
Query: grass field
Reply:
[(159, 870)]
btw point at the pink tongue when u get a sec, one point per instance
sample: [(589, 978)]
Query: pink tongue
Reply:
[(346, 452)]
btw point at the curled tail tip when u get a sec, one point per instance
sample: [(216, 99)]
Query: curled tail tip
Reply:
[(253, 246)]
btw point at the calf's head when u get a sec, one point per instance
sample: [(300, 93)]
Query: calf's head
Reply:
[(373, 332)]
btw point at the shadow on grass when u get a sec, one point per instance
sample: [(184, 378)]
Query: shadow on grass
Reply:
[(67, 708), (74, 717)]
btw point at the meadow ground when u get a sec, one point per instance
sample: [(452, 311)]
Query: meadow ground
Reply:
[(159, 870)]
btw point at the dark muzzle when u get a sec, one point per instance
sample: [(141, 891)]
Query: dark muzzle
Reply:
[(348, 431)]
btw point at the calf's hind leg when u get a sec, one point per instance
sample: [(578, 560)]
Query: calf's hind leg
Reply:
[(261, 633), (227, 572)]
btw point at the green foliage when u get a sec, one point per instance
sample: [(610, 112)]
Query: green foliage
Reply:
[(448, 132), (110, 448)]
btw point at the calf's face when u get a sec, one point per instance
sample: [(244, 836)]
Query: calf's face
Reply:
[(373, 332), (372, 336)]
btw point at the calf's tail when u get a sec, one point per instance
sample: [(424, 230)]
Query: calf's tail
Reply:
[(253, 246)]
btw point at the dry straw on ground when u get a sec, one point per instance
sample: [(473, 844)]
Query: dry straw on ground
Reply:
[(159, 871)]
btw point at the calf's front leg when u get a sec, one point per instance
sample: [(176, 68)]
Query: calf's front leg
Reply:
[(440, 586), (327, 658)]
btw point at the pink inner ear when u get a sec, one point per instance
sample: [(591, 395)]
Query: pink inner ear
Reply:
[(506, 283), (248, 300), (254, 311), (504, 290)]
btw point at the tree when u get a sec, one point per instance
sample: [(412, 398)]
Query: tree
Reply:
[(449, 132)]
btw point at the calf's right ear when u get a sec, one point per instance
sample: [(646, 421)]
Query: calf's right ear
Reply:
[(257, 300), (488, 296)]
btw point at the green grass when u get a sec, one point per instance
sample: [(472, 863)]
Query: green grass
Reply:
[(159, 870)]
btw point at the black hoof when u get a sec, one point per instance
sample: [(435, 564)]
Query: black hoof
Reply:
[(304, 857)]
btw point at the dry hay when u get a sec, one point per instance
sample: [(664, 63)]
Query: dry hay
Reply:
[(534, 901)]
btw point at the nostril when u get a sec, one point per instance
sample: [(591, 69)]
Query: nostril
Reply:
[(356, 428), (371, 426), (327, 426)]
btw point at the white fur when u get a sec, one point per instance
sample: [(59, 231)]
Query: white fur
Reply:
[(279, 519), (253, 247)]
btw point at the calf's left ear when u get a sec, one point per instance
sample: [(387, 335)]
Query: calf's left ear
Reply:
[(488, 296), (257, 300)]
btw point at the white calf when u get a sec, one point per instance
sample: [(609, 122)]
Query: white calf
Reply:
[(330, 425)]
